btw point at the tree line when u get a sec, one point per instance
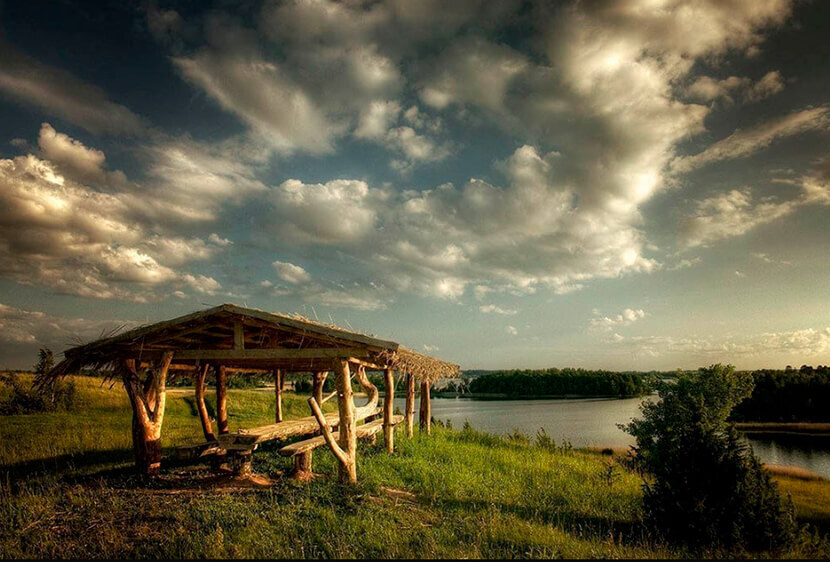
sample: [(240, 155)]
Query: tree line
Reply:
[(791, 395), (559, 382)]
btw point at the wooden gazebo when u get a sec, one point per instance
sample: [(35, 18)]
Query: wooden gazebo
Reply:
[(230, 338)]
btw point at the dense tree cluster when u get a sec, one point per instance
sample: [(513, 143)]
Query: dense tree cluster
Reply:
[(560, 382), (790, 395)]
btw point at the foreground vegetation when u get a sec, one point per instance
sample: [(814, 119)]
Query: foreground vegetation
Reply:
[(724, 498), (67, 490)]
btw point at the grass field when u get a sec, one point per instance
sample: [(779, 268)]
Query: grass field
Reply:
[(67, 490)]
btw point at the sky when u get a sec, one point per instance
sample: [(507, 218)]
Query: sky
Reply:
[(502, 184)]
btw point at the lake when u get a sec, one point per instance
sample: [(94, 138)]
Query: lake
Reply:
[(593, 422)]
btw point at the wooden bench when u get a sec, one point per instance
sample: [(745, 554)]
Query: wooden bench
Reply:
[(190, 453), (241, 444), (302, 450)]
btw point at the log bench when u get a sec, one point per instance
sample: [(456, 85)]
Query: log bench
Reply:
[(240, 445), (190, 453), (302, 450)]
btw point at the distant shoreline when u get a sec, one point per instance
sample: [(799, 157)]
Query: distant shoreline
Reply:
[(502, 396), (773, 429), (779, 470)]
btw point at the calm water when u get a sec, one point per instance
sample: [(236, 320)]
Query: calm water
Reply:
[(587, 422)]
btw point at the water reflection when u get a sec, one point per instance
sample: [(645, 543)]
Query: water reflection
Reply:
[(593, 422)]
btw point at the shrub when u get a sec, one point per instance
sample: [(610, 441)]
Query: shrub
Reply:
[(704, 487), (24, 399), (45, 361)]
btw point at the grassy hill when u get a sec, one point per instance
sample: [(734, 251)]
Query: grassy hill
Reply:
[(66, 490)]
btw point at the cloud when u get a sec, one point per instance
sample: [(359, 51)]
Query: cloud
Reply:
[(520, 236), (265, 97), (72, 238), (684, 263), (743, 143), (735, 88), (415, 148), (377, 125), (201, 283), (192, 182), (725, 215), (736, 212), (23, 331), (75, 160), (512, 330), (338, 212), (355, 295), (797, 344), (377, 119), (493, 309), (61, 94), (291, 273), (625, 318), (770, 84), (472, 71), (766, 258)]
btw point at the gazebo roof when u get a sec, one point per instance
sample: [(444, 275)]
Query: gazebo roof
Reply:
[(247, 338)]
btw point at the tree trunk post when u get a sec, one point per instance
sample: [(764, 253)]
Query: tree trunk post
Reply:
[(302, 465), (317, 384), (207, 426), (221, 400), (410, 404), (347, 431), (242, 463), (279, 377), (345, 447), (388, 407), (426, 408), (148, 400)]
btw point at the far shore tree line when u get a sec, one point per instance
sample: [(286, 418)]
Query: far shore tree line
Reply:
[(564, 382)]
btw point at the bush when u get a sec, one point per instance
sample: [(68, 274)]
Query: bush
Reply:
[(704, 487), (45, 361), (24, 399)]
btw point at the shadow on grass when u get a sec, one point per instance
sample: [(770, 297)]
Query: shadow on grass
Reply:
[(115, 464), (194, 411), (628, 533), (62, 466)]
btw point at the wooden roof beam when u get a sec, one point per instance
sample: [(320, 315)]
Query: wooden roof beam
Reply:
[(273, 353)]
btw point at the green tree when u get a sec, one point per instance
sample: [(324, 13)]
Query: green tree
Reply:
[(703, 486)]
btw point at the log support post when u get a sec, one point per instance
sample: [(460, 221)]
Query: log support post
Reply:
[(147, 399), (425, 418), (279, 382), (410, 404), (302, 465), (345, 448), (317, 386), (388, 410), (221, 400), (241, 463), (200, 377)]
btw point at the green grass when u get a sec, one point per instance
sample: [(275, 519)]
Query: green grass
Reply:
[(67, 492)]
